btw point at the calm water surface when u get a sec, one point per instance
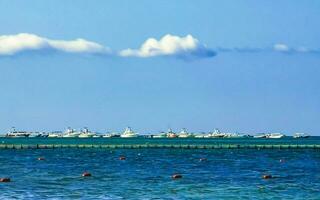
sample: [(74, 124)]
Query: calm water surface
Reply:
[(146, 174), (201, 141)]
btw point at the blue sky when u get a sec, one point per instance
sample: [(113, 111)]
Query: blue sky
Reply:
[(250, 85)]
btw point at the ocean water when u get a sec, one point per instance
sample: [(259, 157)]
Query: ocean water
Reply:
[(146, 173), (200, 141)]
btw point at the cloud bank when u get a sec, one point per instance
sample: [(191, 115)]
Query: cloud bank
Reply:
[(170, 45), (187, 47), (13, 44), (286, 48), (278, 47)]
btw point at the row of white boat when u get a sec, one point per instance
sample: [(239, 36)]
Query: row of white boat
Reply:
[(129, 133)]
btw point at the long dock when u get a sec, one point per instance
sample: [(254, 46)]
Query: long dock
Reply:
[(161, 146)]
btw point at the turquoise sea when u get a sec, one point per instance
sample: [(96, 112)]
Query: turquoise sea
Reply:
[(146, 173)]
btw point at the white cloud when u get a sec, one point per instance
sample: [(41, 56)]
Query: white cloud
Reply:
[(170, 45), (13, 44), (281, 47)]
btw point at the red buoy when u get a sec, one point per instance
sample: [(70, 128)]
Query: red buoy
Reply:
[(86, 174), (5, 180), (122, 158), (268, 176), (41, 158), (176, 176)]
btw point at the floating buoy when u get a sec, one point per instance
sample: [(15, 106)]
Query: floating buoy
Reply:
[(176, 176), (41, 158), (202, 159), (86, 174), (122, 158), (268, 176), (5, 180)]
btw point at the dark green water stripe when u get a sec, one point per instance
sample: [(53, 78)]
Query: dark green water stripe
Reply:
[(173, 146)]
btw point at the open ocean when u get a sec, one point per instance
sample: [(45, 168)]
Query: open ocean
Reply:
[(146, 173)]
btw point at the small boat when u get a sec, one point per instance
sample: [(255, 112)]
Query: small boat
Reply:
[(111, 135), (107, 136), (301, 135), (171, 134), (55, 134), (97, 136), (200, 135), (17, 134), (70, 133), (161, 135), (128, 133), (38, 134), (233, 135), (85, 133), (184, 134), (262, 135), (275, 136), (217, 134), (246, 136)]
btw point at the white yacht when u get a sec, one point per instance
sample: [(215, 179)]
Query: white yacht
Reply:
[(97, 136), (262, 135), (201, 135), (111, 135), (301, 135), (128, 133), (55, 134), (38, 134), (161, 135), (14, 133), (85, 133), (184, 134), (108, 135), (70, 133), (171, 134), (205, 135), (217, 134), (275, 135), (233, 135)]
